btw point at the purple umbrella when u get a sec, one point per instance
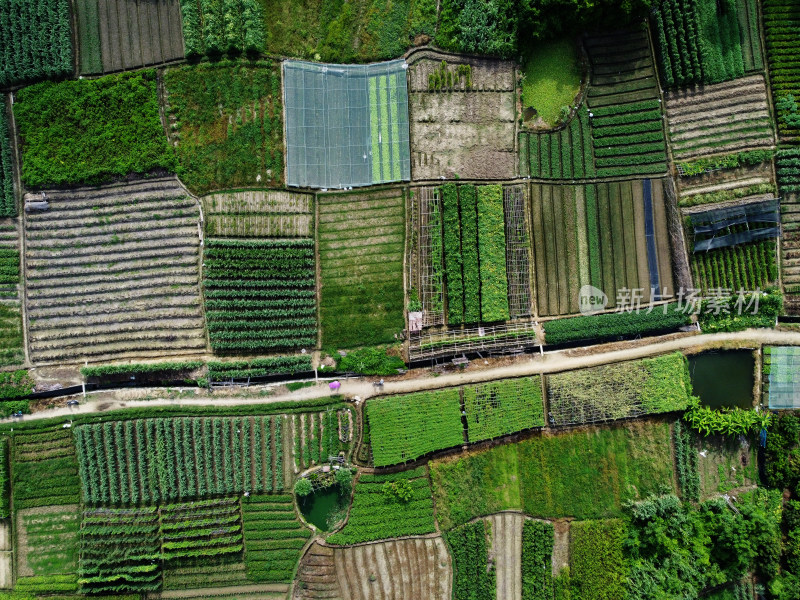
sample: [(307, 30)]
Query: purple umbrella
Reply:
[(334, 385)]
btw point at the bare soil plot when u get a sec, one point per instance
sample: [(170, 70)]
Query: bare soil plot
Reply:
[(113, 272), (259, 213), (316, 575), (459, 131), (117, 35), (407, 569), (506, 552), (719, 118)]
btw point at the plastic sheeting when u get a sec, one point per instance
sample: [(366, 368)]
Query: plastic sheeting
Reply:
[(346, 125), (723, 227), (784, 377)]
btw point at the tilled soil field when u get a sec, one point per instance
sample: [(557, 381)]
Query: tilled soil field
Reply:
[(464, 131), (407, 569)]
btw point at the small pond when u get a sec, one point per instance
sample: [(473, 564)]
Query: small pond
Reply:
[(319, 505), (723, 378)]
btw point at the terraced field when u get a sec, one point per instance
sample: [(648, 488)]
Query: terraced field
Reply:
[(719, 118), (597, 235), (125, 34), (460, 131), (408, 568), (624, 105), (113, 272), (316, 575), (361, 245), (259, 213)]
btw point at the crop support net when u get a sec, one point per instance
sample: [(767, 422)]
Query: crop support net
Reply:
[(507, 338), (734, 225), (346, 125), (517, 251)]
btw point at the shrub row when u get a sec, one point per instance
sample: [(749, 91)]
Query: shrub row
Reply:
[(686, 463), (8, 207), (537, 567), (492, 252), (213, 27), (474, 578), (613, 325)]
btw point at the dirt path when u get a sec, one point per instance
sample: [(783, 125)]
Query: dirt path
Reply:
[(549, 362)]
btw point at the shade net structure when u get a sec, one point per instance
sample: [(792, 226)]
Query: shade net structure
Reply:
[(733, 225), (784, 377), (346, 125)]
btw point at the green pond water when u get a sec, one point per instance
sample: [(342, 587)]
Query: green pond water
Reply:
[(317, 506), (724, 378)]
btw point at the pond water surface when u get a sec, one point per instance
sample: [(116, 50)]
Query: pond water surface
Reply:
[(319, 505), (723, 378)]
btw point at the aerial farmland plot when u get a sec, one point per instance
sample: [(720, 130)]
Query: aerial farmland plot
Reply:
[(124, 34), (120, 257), (503, 316), (462, 117)]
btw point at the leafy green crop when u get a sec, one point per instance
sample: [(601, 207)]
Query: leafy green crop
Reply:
[(91, 131), (492, 252)]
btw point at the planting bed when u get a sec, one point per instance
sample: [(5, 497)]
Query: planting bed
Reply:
[(8, 203), (464, 132), (259, 214), (35, 40), (226, 120), (120, 550), (170, 459), (113, 272), (564, 154), (313, 438), (273, 538), (743, 267), (212, 28), (787, 166), (409, 568), (781, 27), (260, 295), (45, 469), (378, 515), (701, 41), (115, 35), (597, 235), (624, 106), (724, 117), (47, 540), (204, 529), (9, 260), (361, 247)]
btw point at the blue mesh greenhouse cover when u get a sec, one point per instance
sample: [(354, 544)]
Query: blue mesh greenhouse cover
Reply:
[(346, 125)]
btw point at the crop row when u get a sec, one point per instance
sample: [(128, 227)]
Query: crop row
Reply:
[(537, 568), (388, 506), (474, 577), (743, 267), (406, 427), (45, 478), (224, 26), (781, 28), (686, 463), (492, 252), (35, 40), (201, 530), (260, 367), (565, 154), (273, 538), (240, 267), (316, 438), (7, 203), (125, 561), (152, 460)]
